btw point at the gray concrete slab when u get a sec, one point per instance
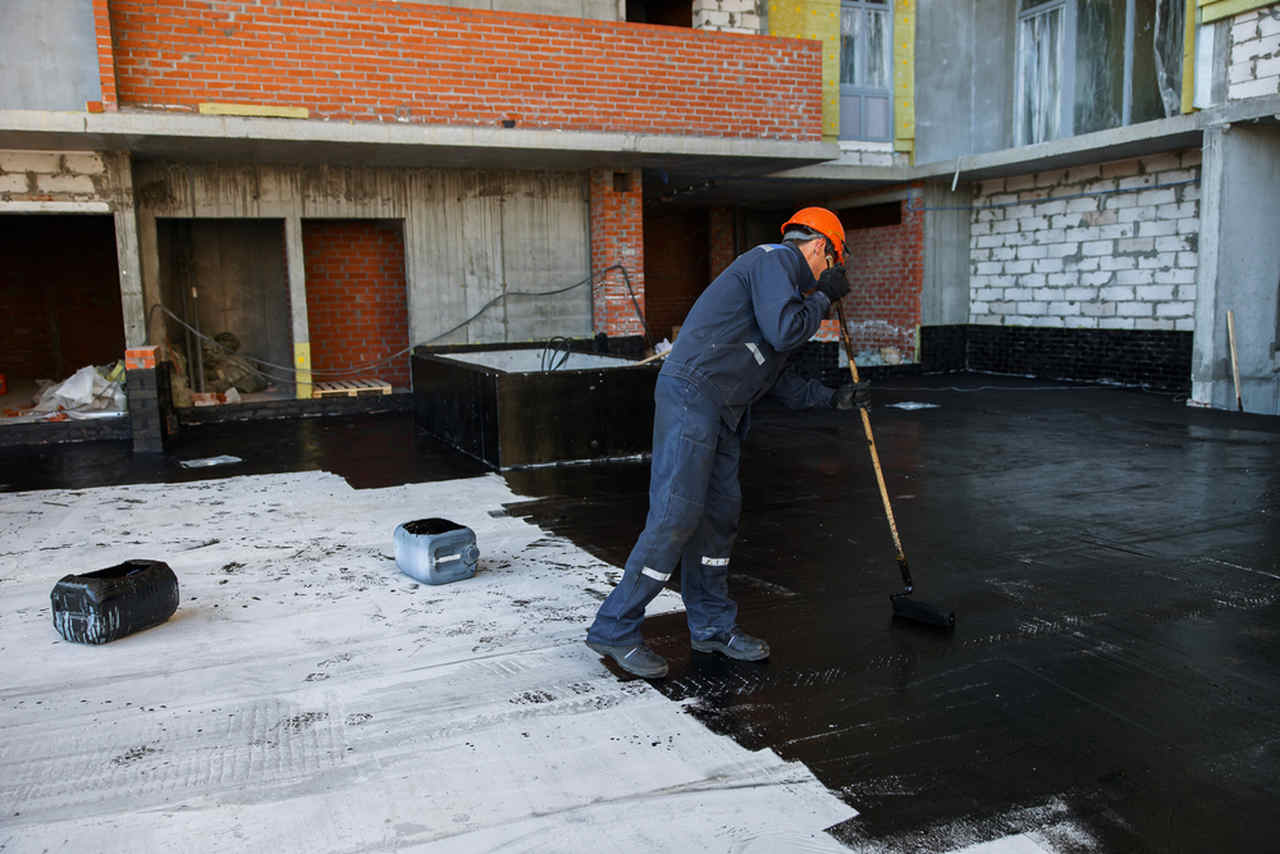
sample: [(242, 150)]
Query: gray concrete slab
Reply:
[(236, 139)]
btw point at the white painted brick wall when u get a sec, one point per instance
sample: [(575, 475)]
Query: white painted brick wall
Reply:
[(727, 16), (1124, 257), (52, 176), (1255, 54)]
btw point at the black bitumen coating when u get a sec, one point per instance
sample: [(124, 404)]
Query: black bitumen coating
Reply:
[(370, 451), (1113, 558)]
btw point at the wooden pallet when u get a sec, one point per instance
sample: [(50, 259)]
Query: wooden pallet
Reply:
[(350, 388)]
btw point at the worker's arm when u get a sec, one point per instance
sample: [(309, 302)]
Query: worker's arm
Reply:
[(798, 393), (785, 317)]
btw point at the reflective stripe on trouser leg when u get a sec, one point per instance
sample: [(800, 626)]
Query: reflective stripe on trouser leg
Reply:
[(704, 567), (685, 430)]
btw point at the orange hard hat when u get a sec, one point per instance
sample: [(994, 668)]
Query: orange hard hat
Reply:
[(825, 223)]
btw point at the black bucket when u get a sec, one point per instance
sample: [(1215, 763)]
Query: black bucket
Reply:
[(98, 607)]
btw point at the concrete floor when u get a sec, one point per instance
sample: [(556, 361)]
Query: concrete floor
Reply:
[(1113, 682)]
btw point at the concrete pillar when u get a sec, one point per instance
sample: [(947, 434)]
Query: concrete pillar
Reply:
[(944, 296), (1239, 269), (149, 264), (128, 257), (298, 306)]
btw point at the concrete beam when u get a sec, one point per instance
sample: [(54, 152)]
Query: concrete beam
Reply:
[(185, 136)]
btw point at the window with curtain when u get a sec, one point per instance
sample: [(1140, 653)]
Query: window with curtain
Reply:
[(866, 70), (1038, 114), (1089, 65)]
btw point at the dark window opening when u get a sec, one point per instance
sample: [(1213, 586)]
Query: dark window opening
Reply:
[(871, 216), (622, 182), (666, 13)]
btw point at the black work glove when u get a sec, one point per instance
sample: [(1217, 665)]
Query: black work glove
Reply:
[(834, 282), (851, 395)]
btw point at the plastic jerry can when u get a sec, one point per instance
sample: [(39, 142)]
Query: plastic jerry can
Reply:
[(436, 551), (98, 607)]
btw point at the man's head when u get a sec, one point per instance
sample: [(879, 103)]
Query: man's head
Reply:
[(819, 236)]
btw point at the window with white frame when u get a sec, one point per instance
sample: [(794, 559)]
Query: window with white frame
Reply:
[(1088, 65), (1040, 111), (866, 70)]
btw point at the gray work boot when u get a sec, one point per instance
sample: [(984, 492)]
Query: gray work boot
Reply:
[(735, 644), (637, 659)]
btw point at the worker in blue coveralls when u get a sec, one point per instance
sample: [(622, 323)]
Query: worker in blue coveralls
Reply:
[(731, 352)]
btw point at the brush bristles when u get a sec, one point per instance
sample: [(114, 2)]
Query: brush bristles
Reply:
[(921, 612)]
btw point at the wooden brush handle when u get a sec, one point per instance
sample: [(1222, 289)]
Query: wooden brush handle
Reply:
[(875, 456)]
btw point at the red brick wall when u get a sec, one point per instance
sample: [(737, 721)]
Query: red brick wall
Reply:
[(356, 297), (886, 267), (377, 60), (106, 53), (617, 237)]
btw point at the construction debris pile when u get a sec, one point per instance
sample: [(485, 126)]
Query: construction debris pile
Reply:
[(91, 392)]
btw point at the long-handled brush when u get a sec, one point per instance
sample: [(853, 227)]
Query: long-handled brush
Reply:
[(903, 605)]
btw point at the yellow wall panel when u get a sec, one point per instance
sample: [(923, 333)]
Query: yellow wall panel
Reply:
[(1189, 56), (1213, 10), (818, 20), (904, 75), (302, 366)]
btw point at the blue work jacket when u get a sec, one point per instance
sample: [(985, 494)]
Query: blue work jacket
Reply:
[(735, 343)]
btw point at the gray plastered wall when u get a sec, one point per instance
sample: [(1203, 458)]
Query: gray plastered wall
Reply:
[(48, 55), (469, 236), (1240, 269), (964, 77)]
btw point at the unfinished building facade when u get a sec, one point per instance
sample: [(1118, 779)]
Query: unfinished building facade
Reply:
[(1068, 188)]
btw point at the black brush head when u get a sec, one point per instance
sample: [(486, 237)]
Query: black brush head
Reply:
[(921, 612)]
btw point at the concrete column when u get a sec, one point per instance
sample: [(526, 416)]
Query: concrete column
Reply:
[(298, 305), (128, 257), (1239, 269), (149, 262), (944, 297)]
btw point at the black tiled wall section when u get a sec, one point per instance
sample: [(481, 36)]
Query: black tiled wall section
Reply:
[(1149, 358), (1158, 360)]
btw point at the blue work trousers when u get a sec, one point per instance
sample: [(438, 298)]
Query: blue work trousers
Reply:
[(694, 503)]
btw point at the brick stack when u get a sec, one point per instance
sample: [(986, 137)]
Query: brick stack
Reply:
[(617, 237), (356, 298), (150, 407), (378, 60), (1104, 246)]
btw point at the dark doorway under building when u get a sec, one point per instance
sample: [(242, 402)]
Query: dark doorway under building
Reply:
[(60, 304), (676, 265), (667, 13), (227, 277)]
